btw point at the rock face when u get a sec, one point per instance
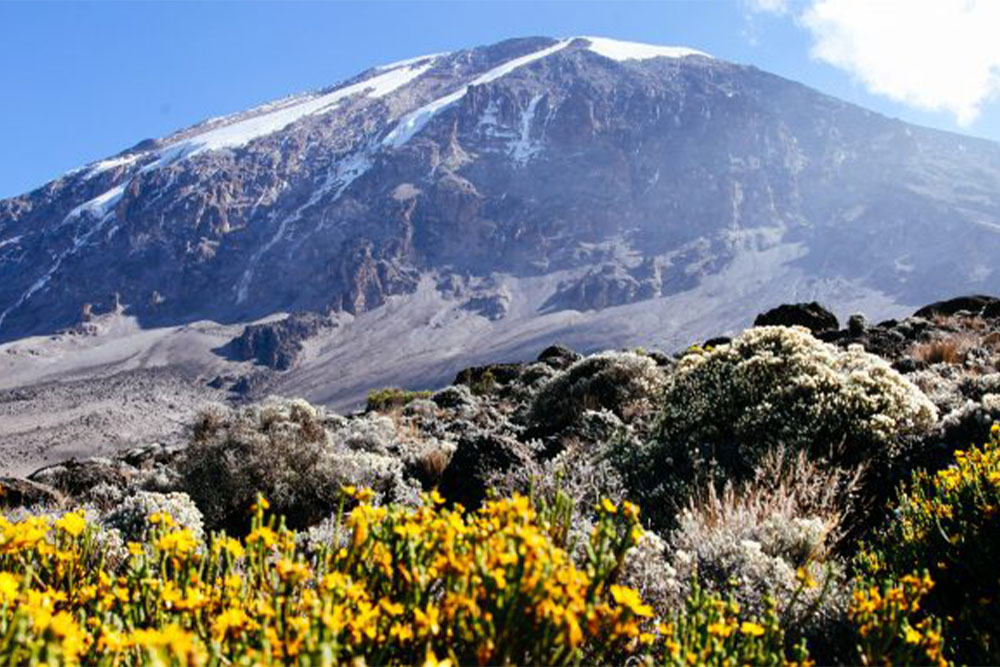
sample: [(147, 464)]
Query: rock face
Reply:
[(639, 173), (812, 316), (277, 344)]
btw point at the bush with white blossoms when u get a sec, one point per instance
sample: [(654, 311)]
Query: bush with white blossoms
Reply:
[(624, 383), (131, 516), (781, 386), (724, 408)]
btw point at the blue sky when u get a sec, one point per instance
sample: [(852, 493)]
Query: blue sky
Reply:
[(84, 80)]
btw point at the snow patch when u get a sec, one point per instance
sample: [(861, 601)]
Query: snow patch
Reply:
[(10, 241), (524, 148), (415, 121), (271, 118), (243, 132), (111, 163), (100, 205), (621, 51), (412, 61)]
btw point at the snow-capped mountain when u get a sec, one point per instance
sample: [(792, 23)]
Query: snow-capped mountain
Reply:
[(511, 183)]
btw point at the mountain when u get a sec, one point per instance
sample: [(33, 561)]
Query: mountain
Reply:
[(478, 205)]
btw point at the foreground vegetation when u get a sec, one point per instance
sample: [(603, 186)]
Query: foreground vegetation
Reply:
[(393, 585), (797, 506), (434, 584)]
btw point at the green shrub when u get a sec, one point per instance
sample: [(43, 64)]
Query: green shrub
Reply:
[(391, 398), (948, 524), (624, 383), (724, 409)]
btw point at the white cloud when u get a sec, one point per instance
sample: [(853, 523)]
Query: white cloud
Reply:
[(938, 55)]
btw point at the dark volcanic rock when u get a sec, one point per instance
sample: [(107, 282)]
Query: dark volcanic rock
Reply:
[(973, 304), (475, 461), (492, 307), (812, 316), (76, 478), (611, 285), (559, 357), (16, 492), (717, 341), (277, 344)]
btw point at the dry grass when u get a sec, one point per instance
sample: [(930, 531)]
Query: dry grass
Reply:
[(786, 485), (957, 323), (949, 350), (431, 466)]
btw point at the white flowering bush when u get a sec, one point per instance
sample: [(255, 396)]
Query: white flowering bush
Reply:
[(130, 517), (781, 386), (724, 408), (624, 383), (295, 455)]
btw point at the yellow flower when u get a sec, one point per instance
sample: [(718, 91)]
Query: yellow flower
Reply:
[(629, 598), (230, 621), (264, 535), (73, 523), (751, 629), (231, 547), (178, 542), (72, 638), (427, 621), (805, 578), (912, 636), (720, 629), (162, 518), (292, 571), (9, 587), (391, 608), (432, 661)]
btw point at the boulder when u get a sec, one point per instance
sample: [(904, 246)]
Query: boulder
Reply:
[(559, 357), (277, 344), (15, 492), (812, 316), (75, 478), (717, 341), (975, 304), (475, 461)]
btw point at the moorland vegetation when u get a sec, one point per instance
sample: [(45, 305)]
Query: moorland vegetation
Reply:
[(778, 498)]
